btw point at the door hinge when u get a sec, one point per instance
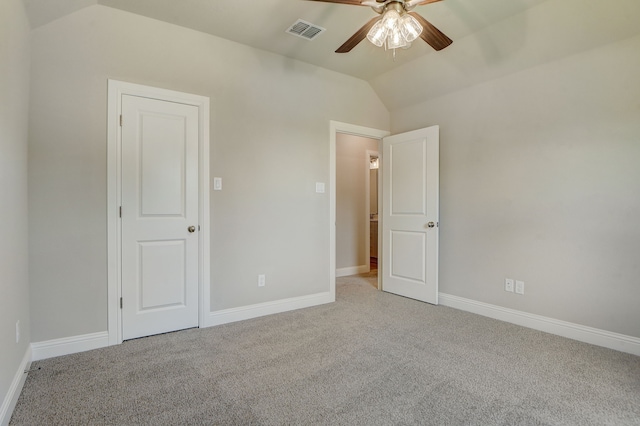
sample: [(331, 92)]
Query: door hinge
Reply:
[(121, 303), (120, 211), (120, 120)]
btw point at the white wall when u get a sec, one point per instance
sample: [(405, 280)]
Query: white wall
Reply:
[(540, 181), (352, 172), (14, 285), (269, 142)]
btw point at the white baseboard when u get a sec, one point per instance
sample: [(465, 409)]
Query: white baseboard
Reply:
[(594, 336), (268, 308), (87, 342), (11, 398), (352, 270), (69, 345)]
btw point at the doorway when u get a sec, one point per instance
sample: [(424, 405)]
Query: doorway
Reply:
[(157, 171), (372, 179), (337, 129), (409, 197), (355, 214)]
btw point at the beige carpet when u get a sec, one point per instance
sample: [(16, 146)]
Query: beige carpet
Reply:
[(371, 358)]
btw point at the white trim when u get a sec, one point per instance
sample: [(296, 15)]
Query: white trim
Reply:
[(11, 398), (594, 336), (69, 345), (352, 270), (116, 89), (267, 308), (350, 129)]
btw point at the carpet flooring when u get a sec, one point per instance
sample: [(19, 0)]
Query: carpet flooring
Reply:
[(370, 358)]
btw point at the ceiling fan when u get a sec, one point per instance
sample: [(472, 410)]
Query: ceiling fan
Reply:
[(397, 26)]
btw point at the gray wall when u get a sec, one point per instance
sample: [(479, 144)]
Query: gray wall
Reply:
[(540, 181), (268, 149), (352, 171), (14, 94)]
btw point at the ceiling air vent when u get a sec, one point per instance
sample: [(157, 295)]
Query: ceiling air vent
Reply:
[(305, 29)]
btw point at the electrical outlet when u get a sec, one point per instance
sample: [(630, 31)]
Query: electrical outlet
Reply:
[(262, 280), (18, 331), (508, 285), (520, 287)]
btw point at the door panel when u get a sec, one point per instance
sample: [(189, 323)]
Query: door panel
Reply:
[(410, 180), (408, 256), (163, 279), (162, 165), (159, 204)]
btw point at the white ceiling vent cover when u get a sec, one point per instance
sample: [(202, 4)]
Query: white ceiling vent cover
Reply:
[(305, 29)]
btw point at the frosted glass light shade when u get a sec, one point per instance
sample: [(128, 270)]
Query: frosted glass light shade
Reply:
[(391, 19), (378, 34), (395, 39), (411, 28)]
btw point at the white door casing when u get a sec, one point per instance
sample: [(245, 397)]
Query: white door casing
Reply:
[(159, 216), (163, 209), (410, 214)]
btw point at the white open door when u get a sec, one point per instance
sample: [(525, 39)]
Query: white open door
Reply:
[(410, 181), (159, 216)]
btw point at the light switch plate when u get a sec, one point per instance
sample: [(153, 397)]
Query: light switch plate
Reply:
[(320, 187), (217, 183)]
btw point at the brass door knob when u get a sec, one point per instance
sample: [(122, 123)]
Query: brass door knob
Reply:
[(191, 229)]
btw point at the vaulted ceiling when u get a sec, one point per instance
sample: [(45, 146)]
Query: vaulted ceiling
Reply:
[(262, 24), (490, 37)]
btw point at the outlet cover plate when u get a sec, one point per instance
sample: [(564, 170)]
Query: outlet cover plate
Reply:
[(508, 285), (520, 287)]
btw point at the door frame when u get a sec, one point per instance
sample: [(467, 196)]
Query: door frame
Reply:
[(336, 127), (116, 89)]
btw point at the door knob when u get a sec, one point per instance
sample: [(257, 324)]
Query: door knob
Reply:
[(191, 229), (431, 224)]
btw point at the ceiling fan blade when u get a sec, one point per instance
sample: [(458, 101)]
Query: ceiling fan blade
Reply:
[(433, 36), (352, 2), (413, 3), (357, 37)]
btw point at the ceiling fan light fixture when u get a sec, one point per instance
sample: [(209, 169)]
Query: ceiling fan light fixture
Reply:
[(396, 29)]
